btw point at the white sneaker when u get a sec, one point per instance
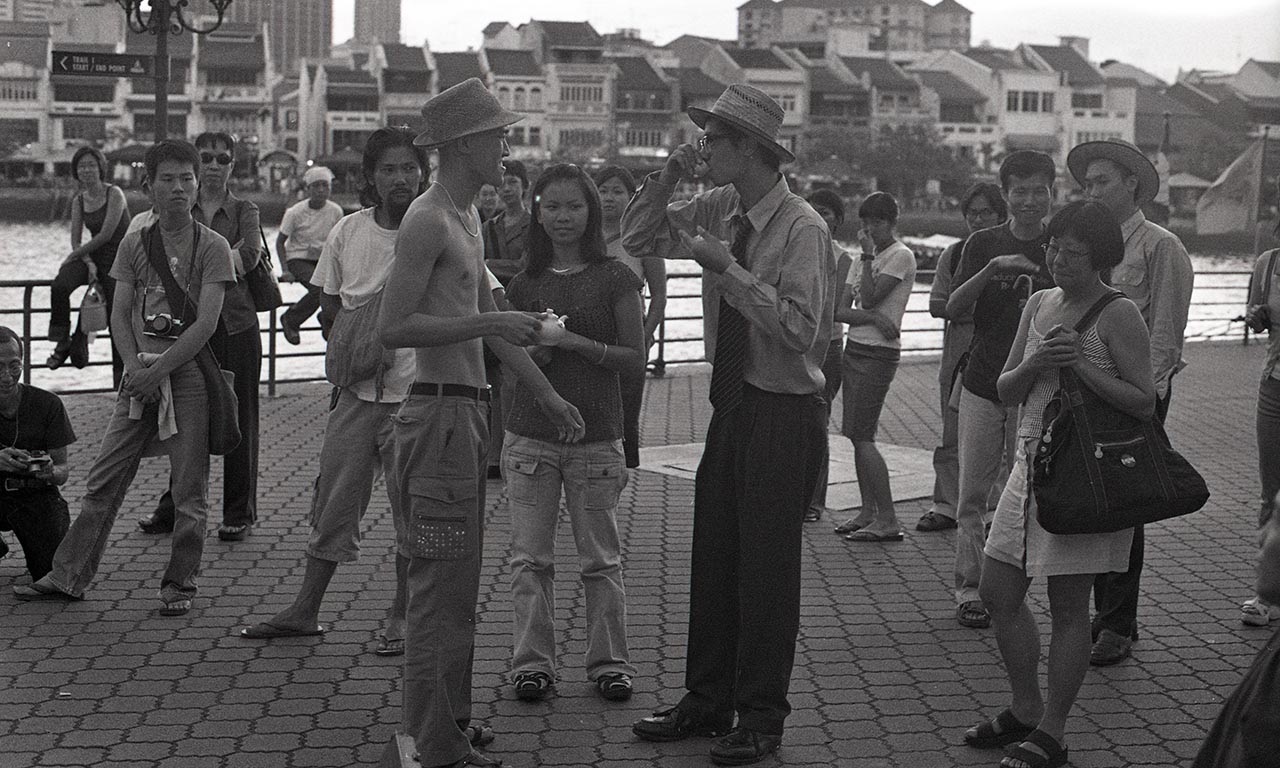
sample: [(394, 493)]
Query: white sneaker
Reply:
[(1256, 613)]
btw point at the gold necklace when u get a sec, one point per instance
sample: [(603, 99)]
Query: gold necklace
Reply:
[(458, 213)]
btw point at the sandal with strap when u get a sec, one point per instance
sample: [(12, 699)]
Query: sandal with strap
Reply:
[(479, 735), (1055, 755), (971, 614), (614, 686), (1004, 729), (532, 686)]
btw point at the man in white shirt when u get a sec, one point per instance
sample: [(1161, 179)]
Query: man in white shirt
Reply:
[(302, 234), (358, 442)]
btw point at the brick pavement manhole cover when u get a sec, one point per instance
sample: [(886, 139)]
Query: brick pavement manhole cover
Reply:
[(910, 469)]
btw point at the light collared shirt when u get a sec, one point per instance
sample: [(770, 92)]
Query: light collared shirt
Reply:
[(786, 291), (1156, 274)]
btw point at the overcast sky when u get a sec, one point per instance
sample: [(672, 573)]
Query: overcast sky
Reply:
[(1157, 35)]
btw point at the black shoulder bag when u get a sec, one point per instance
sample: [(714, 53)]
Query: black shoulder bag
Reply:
[(263, 285), (224, 409), (1098, 469)]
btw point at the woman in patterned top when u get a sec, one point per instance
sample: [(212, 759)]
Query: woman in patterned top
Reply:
[(597, 301), (1111, 358)]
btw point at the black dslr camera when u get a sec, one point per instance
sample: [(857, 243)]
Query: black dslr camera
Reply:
[(163, 325)]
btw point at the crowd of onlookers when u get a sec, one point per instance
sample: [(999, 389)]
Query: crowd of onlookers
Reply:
[(483, 327)]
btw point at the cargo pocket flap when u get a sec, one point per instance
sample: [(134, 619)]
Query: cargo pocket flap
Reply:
[(446, 490)]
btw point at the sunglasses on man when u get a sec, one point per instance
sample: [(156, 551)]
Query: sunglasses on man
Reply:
[(223, 158)]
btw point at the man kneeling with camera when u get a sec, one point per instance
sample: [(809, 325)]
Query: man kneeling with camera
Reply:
[(34, 435), (162, 398)]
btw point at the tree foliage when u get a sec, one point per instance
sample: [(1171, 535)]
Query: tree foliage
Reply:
[(901, 158)]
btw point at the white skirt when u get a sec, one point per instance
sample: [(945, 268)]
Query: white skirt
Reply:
[(1016, 537)]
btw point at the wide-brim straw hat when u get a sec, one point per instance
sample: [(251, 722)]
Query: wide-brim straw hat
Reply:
[(462, 110), (1123, 154), (751, 111)]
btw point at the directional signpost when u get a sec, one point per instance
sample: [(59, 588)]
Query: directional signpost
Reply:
[(90, 64)]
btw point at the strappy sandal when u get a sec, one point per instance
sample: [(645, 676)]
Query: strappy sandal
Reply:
[(850, 525), (971, 614), (479, 735), (1055, 755), (1001, 731), (614, 686), (389, 646), (179, 607), (532, 686)]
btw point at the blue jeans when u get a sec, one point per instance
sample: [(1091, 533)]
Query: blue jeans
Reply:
[(123, 446), (592, 476)]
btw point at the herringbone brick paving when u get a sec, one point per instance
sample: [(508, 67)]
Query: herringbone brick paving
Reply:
[(883, 678)]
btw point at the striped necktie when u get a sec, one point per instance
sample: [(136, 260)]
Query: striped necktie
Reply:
[(731, 334)]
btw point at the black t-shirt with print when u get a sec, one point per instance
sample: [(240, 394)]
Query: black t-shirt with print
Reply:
[(999, 307)]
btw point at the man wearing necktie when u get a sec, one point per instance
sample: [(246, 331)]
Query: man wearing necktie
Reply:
[(768, 289)]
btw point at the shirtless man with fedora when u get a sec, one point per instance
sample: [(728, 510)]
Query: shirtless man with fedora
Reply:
[(437, 301)]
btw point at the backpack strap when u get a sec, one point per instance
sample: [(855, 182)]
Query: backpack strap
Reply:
[(1088, 318)]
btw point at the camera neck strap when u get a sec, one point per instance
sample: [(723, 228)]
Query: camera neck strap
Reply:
[(179, 303)]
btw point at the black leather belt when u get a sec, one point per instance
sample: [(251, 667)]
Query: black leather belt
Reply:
[(25, 483), (450, 390)]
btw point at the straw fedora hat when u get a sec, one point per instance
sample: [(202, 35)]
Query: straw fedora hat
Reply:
[(462, 110), (751, 111), (1123, 154)]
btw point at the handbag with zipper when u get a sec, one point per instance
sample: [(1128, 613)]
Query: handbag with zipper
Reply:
[(1098, 469)]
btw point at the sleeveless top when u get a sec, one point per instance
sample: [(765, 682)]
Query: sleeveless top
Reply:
[(1271, 367), (1046, 384), (93, 221)]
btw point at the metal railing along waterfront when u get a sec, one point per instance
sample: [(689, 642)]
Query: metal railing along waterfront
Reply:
[(1215, 315)]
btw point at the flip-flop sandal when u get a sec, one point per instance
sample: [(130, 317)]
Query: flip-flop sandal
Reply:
[(1001, 731), (268, 631), (872, 536), (35, 592), (479, 735), (849, 526), (389, 646), (179, 607), (1055, 755)]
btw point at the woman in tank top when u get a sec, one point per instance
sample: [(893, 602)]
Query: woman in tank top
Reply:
[(1111, 358), (100, 208)]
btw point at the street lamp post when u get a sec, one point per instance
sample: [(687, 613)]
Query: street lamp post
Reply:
[(165, 18)]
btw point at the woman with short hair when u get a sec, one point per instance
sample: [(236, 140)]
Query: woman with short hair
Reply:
[(1112, 358)]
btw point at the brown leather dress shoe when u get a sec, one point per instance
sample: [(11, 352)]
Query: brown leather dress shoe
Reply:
[(676, 724), (744, 747)]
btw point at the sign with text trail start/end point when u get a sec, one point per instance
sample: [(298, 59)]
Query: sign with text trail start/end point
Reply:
[(90, 64)]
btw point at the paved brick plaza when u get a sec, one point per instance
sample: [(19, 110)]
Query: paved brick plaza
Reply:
[(884, 676)]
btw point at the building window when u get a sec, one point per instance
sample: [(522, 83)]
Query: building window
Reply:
[(98, 94), (291, 119), (84, 129), (1084, 136), (643, 138), (785, 100), (1011, 102), (518, 101), (581, 137), (535, 99), (225, 76), (291, 144), (1046, 101), (535, 136), (144, 126), (1086, 101), (19, 90), (515, 136), (504, 96), (582, 93), (353, 139), (1030, 101), (21, 132)]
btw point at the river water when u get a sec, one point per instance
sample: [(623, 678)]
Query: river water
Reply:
[(33, 251)]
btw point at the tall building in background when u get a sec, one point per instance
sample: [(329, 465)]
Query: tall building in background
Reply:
[(297, 28), (25, 10), (378, 19)]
